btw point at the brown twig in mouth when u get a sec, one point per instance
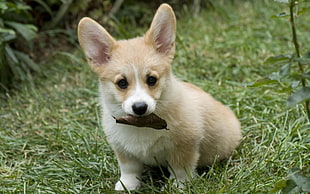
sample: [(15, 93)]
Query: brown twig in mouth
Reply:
[(151, 120)]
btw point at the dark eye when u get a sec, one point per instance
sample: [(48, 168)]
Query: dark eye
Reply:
[(123, 84), (151, 80)]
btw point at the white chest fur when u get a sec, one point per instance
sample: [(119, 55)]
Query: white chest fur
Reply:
[(148, 145)]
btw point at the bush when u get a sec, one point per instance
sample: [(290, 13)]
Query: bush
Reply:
[(15, 64), (293, 72), (56, 20)]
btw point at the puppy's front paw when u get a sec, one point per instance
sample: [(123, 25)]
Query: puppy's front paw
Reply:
[(129, 184), (179, 184)]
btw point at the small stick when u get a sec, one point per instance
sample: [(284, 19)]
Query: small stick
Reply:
[(151, 120)]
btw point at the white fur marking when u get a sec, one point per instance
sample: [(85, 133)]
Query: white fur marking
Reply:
[(139, 95), (130, 175)]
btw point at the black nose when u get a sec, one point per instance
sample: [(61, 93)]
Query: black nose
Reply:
[(139, 108)]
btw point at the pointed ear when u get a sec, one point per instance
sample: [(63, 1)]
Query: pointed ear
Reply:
[(162, 31), (95, 41)]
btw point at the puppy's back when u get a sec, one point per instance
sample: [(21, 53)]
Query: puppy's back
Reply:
[(222, 133)]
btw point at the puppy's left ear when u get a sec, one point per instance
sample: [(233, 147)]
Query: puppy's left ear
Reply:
[(162, 31), (96, 43)]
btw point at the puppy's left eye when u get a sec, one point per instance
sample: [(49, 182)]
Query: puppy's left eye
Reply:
[(151, 80), (123, 84)]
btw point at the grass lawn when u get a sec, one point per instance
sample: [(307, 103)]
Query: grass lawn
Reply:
[(50, 131)]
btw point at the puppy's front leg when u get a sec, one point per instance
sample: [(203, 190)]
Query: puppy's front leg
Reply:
[(131, 170), (182, 167)]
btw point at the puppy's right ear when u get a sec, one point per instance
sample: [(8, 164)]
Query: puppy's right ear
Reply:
[(162, 31), (96, 42)]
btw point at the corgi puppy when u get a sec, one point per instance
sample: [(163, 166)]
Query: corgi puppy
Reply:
[(135, 78)]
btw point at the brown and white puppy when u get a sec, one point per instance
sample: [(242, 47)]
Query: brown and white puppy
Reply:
[(136, 79)]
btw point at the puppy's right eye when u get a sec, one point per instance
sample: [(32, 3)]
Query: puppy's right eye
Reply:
[(151, 80), (123, 84)]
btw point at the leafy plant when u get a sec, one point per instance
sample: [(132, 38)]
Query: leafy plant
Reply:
[(15, 64), (296, 182), (293, 72)]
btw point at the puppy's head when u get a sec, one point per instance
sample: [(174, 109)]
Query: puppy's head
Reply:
[(133, 73)]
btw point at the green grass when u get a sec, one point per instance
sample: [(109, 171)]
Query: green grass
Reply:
[(51, 136)]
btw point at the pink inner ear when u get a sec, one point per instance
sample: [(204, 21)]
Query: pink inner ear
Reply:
[(99, 52), (163, 40)]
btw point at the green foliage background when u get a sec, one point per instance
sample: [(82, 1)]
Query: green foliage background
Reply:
[(15, 28), (31, 29)]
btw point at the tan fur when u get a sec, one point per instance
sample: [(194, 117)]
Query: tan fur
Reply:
[(201, 129)]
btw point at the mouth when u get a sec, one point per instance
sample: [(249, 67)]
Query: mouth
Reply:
[(150, 121)]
